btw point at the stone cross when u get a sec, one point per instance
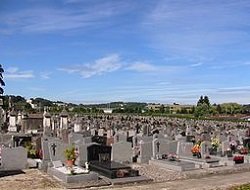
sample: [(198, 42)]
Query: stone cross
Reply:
[(53, 147), (158, 146)]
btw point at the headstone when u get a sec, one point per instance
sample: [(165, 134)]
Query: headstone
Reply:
[(82, 155), (184, 149), (205, 146), (101, 132), (146, 152), (122, 152), (156, 148), (77, 127), (225, 145), (56, 150), (64, 120), (12, 122)]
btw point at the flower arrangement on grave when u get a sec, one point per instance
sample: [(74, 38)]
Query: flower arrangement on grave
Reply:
[(196, 149), (233, 146), (238, 159), (215, 142), (70, 154), (243, 150)]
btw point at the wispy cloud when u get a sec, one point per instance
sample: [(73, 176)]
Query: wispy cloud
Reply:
[(196, 64), (45, 75), (239, 89), (206, 28), (15, 73), (44, 20), (100, 66), (142, 67)]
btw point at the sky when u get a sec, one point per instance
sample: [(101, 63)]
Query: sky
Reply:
[(91, 51)]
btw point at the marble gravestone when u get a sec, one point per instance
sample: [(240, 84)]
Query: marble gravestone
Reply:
[(54, 150), (205, 146), (122, 152), (225, 145), (145, 152), (163, 146), (184, 149)]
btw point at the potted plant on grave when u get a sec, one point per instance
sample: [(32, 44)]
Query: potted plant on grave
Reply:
[(70, 156)]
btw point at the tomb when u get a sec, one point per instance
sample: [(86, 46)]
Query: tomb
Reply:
[(173, 165), (99, 158), (71, 175)]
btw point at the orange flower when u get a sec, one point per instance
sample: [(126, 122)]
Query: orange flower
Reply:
[(195, 149)]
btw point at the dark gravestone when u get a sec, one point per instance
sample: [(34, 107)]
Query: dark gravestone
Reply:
[(191, 139), (96, 151), (246, 142), (99, 140)]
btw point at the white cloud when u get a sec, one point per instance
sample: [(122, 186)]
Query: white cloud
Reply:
[(100, 66), (15, 73), (197, 64), (142, 67), (45, 75)]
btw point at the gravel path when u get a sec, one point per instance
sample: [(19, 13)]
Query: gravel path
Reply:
[(216, 178)]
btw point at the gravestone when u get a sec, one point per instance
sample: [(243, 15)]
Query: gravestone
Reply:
[(64, 120), (156, 148), (13, 159), (65, 135), (122, 152), (75, 137), (225, 145), (118, 137), (101, 132), (77, 127), (45, 150), (82, 154), (56, 150), (97, 152), (205, 146), (180, 138), (184, 149), (145, 152), (12, 122)]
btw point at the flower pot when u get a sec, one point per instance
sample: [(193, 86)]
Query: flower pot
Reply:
[(239, 161), (70, 163)]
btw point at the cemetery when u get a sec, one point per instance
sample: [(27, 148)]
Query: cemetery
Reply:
[(120, 150)]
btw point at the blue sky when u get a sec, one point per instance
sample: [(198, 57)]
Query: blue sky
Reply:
[(125, 50)]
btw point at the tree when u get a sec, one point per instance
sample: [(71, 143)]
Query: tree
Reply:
[(206, 101), (203, 107), (200, 101), (1, 80)]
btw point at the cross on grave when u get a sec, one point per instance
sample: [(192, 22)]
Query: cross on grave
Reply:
[(53, 147), (158, 147)]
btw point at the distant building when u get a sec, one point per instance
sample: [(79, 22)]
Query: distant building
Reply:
[(108, 110), (173, 108)]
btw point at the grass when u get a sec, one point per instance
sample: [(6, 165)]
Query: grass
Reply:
[(241, 187)]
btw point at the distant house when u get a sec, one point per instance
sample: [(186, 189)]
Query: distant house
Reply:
[(108, 110)]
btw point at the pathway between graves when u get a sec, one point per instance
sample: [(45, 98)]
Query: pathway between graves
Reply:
[(207, 183)]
